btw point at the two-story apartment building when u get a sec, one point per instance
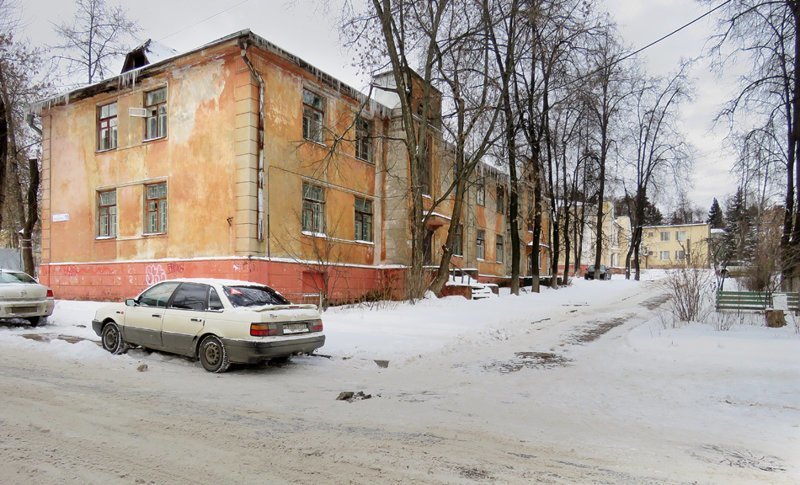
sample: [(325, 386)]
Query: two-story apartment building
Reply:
[(674, 246), (240, 160)]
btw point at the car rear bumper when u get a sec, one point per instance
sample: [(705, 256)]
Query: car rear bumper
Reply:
[(27, 309), (250, 352)]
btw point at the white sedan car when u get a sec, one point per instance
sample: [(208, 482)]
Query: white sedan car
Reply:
[(218, 321), (22, 297)]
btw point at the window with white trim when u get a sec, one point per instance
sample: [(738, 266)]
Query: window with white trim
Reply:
[(155, 208), (107, 127), (313, 208), (107, 213), (313, 116), (155, 105), (363, 222), (480, 244), (664, 255)]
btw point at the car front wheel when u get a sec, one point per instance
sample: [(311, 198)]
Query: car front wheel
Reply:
[(213, 355), (112, 339)]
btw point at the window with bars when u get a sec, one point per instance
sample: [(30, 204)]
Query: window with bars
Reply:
[(155, 105), (107, 127), (499, 249), (313, 116), (107, 213), (313, 208), (480, 244), (458, 241), (480, 192), (155, 208), (363, 139), (363, 222), (501, 199)]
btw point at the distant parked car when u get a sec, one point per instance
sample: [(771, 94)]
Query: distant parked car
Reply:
[(218, 321), (22, 297), (603, 274)]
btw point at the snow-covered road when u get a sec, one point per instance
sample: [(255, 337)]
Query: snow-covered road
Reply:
[(583, 384)]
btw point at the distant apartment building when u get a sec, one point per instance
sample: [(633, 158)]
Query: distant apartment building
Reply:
[(240, 160), (616, 235), (674, 246)]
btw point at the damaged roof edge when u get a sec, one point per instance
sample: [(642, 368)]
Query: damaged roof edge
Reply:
[(113, 83)]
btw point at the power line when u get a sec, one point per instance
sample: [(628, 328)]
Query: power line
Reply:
[(651, 44), (205, 19), (664, 37)]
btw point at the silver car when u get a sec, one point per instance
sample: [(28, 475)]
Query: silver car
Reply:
[(22, 297), (218, 321)]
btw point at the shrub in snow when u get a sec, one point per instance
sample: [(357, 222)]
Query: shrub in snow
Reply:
[(690, 291)]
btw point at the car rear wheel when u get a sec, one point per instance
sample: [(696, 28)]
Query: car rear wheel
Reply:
[(111, 338), (213, 355), (35, 321)]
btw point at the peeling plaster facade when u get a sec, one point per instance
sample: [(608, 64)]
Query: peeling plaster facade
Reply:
[(234, 160)]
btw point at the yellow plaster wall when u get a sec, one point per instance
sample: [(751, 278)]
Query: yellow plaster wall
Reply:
[(195, 159)]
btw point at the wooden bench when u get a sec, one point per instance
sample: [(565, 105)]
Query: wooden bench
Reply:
[(743, 300)]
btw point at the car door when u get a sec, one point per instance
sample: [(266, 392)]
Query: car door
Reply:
[(143, 321), (185, 317)]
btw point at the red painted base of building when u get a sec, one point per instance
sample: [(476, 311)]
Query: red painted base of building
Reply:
[(299, 282)]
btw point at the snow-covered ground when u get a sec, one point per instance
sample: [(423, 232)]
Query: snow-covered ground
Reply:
[(590, 383)]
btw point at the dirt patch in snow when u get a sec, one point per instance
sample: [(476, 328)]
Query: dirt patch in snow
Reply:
[(598, 329), (739, 458), (472, 473), (46, 337), (529, 360), (655, 302)]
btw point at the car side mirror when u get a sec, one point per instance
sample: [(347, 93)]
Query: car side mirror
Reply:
[(130, 302)]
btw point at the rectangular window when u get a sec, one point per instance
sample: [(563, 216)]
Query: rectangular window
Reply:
[(107, 127), (480, 244), (665, 236), (664, 255), (363, 224), (680, 236), (155, 208), (313, 116), (458, 241), (498, 249), (313, 208), (480, 192), (363, 139), (155, 105), (501, 200), (680, 255), (107, 214)]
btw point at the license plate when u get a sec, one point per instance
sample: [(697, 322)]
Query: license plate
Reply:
[(24, 309), (294, 328)]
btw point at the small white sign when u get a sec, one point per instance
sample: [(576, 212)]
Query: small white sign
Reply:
[(60, 217)]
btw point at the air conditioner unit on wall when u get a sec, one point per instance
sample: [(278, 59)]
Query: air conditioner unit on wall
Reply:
[(137, 112)]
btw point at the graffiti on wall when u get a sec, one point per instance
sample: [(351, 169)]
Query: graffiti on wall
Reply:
[(154, 273)]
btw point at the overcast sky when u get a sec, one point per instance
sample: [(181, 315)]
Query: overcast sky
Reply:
[(308, 29)]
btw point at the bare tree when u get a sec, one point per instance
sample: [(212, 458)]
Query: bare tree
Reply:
[(20, 85), (765, 33), (98, 33), (660, 150)]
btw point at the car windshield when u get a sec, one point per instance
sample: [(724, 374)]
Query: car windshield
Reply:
[(243, 296), (13, 277)]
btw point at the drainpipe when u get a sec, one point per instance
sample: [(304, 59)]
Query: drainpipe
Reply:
[(260, 167)]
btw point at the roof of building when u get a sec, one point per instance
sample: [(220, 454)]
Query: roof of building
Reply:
[(158, 60), (693, 224)]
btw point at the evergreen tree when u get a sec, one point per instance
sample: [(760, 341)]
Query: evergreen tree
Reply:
[(736, 226), (715, 218)]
